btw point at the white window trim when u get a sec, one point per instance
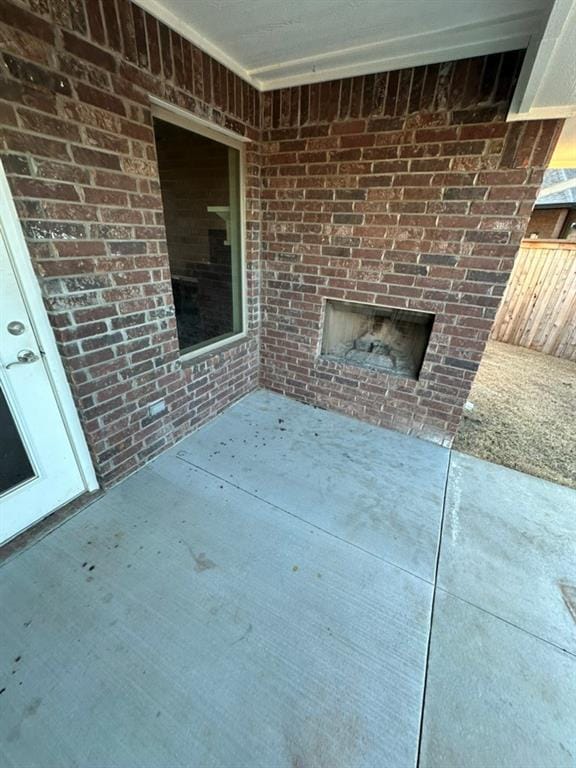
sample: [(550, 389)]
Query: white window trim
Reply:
[(32, 298), (177, 116)]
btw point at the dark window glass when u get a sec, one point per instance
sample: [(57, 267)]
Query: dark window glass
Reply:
[(15, 465), (199, 180)]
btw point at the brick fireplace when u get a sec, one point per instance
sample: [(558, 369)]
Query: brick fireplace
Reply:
[(406, 190)]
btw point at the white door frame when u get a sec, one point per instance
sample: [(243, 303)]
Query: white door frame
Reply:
[(32, 297)]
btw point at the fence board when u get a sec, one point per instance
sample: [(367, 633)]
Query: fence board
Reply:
[(538, 310)]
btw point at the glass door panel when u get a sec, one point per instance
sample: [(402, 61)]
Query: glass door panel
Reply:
[(15, 466)]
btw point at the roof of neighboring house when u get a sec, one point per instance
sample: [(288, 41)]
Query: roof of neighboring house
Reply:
[(558, 187)]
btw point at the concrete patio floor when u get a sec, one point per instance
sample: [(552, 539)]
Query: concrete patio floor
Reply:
[(276, 592)]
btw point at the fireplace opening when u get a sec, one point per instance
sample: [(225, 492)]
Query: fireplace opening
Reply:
[(388, 339)]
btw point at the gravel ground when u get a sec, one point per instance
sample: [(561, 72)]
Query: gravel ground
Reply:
[(524, 413)]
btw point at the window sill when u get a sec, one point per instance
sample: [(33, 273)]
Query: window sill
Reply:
[(188, 359)]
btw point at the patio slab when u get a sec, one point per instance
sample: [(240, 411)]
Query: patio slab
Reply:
[(181, 621), (495, 695), (377, 489), (509, 547), (233, 605)]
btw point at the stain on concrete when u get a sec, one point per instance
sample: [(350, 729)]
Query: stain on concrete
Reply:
[(202, 563), (33, 707), (29, 711), (243, 636)]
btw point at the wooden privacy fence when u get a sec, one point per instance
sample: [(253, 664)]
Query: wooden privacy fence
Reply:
[(538, 310)]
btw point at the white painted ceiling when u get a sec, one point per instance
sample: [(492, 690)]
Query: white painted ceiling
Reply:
[(547, 85), (274, 43)]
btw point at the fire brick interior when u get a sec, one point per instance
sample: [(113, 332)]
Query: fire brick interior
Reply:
[(393, 340)]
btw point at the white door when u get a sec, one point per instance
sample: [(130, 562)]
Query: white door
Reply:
[(39, 467)]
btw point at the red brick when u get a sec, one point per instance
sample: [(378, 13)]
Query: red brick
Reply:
[(41, 123), (115, 181), (23, 187), (107, 141), (95, 158), (7, 114), (138, 77), (153, 44), (431, 135), (17, 165), (53, 230), (89, 95), (485, 131), (88, 52), (32, 74), (350, 126), (69, 211), (357, 140), (15, 16)]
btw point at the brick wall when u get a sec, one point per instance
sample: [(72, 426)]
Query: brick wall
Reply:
[(78, 147), (405, 189)]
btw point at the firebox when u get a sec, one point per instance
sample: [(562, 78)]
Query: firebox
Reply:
[(372, 336)]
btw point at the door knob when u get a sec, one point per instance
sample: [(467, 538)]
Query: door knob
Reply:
[(24, 357), (16, 328)]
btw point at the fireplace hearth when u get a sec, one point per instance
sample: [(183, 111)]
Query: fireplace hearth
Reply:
[(377, 337)]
